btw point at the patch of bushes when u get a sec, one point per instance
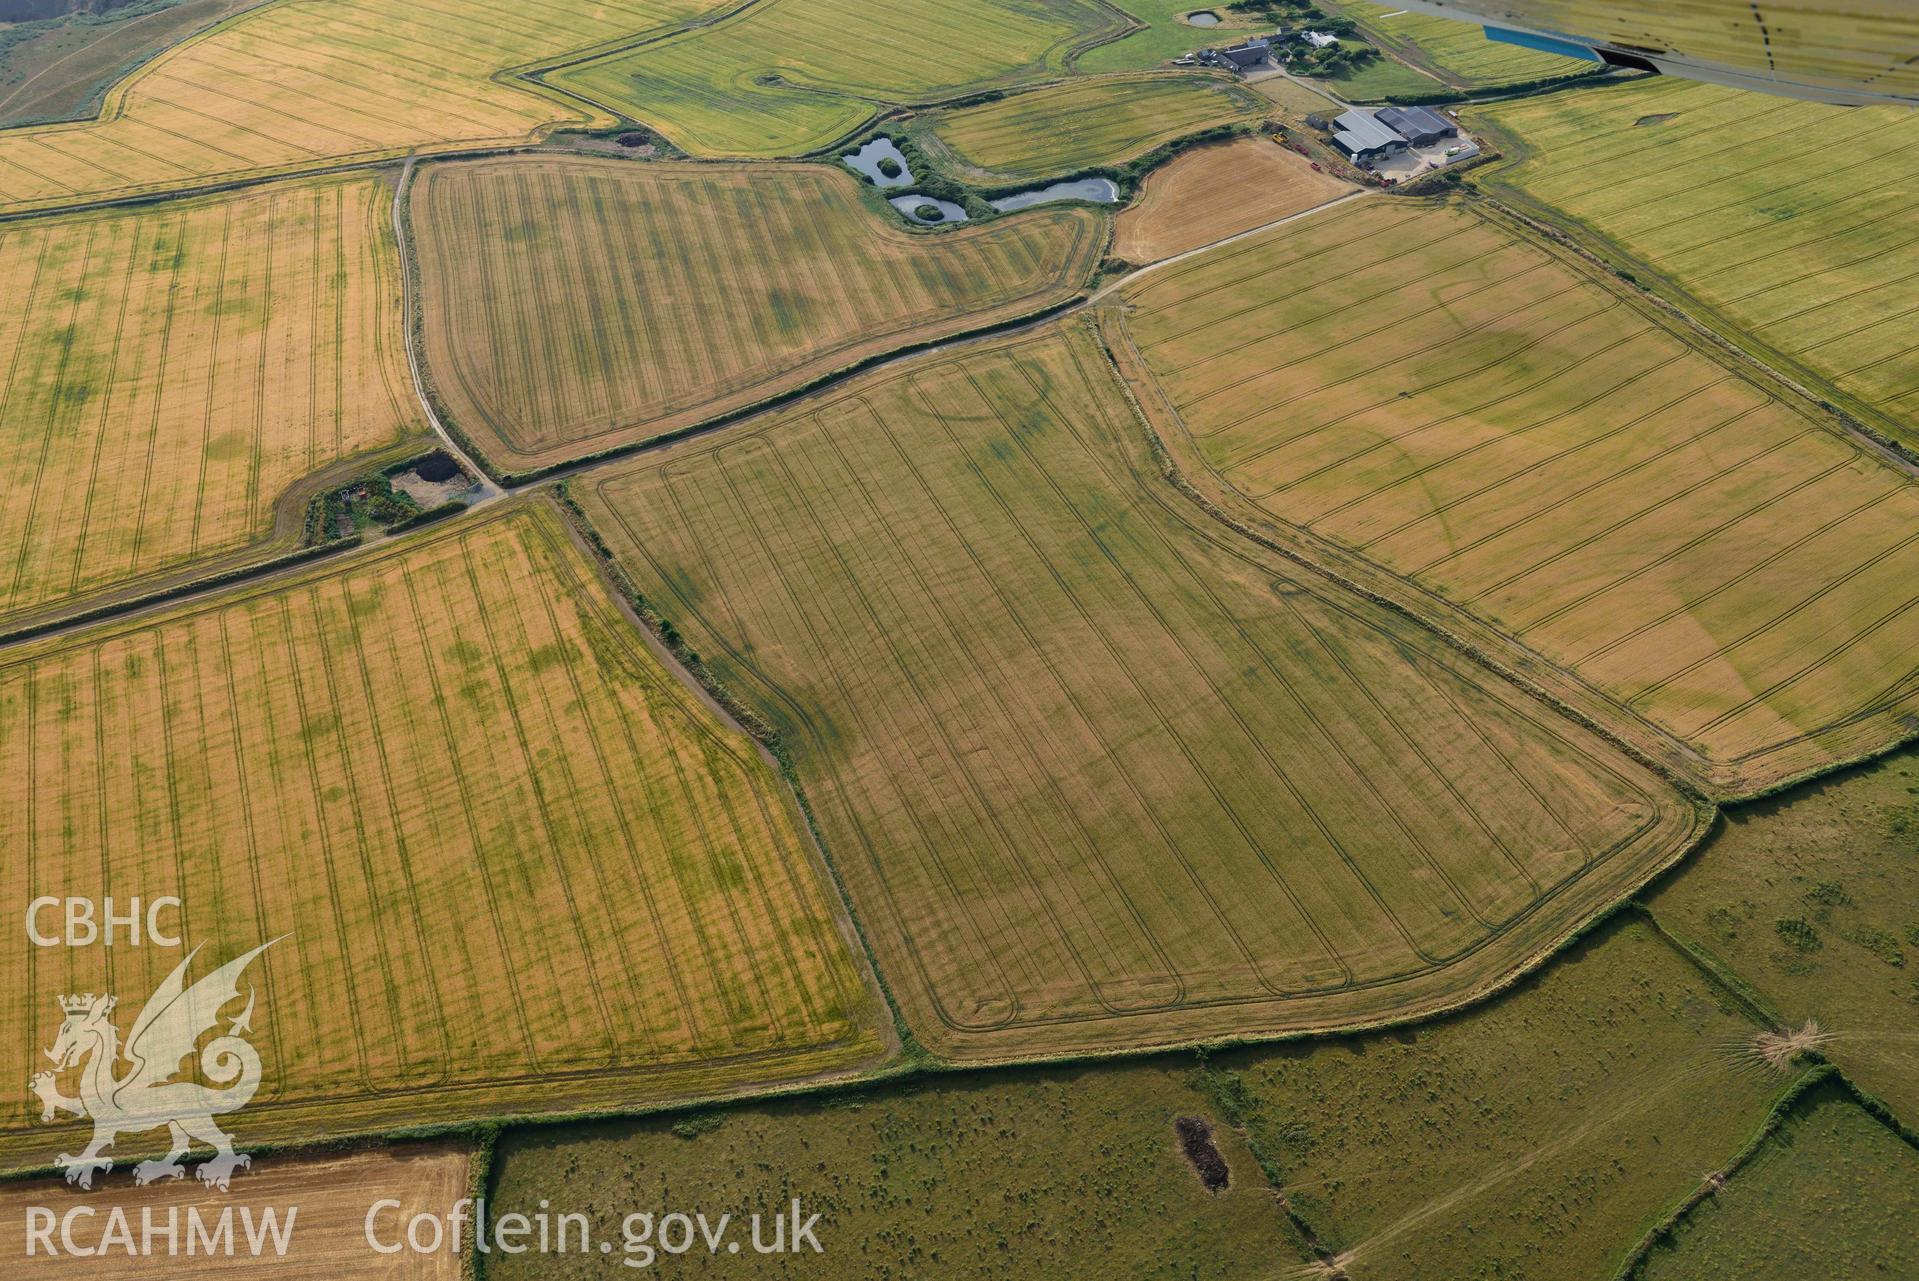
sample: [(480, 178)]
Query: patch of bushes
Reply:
[(1798, 933)]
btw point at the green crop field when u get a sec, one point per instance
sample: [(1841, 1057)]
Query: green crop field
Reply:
[(521, 866), (1165, 36), (176, 380), (1833, 1194), (1383, 78), (574, 305), (1082, 123), (1515, 438), (783, 77), (1538, 1136), (1097, 771), (1813, 900), (1028, 1174), (299, 84), (1457, 52), (1765, 216)]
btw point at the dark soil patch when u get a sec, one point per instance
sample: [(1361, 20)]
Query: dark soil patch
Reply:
[(1196, 1140), (1659, 119), (437, 467)]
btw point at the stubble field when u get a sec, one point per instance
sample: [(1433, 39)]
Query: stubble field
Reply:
[(1096, 771), (521, 868), (1504, 432), (170, 376), (303, 83), (331, 1193), (577, 305), (1769, 217), (1078, 124), (1216, 192), (784, 77)]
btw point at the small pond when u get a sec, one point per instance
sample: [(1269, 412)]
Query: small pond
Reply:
[(871, 159), (1102, 191), (1204, 18), (909, 207)]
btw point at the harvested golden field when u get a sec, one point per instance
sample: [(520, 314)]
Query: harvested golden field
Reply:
[(1216, 192), (330, 1194), (1078, 124), (785, 77), (1097, 771), (172, 376), (1510, 436), (303, 83), (577, 305), (519, 866), (1767, 217)]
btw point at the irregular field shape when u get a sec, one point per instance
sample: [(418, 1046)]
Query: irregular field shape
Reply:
[(1164, 38), (1836, 855), (781, 77), (332, 1191), (1215, 192), (1079, 124), (1491, 424), (521, 867), (1833, 1194), (1534, 1136), (1764, 214), (170, 376), (302, 83), (1458, 52), (1095, 770), (965, 1160), (577, 305)]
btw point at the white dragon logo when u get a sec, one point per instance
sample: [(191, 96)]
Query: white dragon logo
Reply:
[(147, 1097)]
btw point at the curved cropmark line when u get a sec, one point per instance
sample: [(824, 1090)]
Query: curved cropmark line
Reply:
[(1347, 342), (1469, 413), (1254, 739)]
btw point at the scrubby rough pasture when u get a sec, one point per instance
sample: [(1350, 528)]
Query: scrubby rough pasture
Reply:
[(1536, 1136), (1813, 901), (1457, 52), (576, 305), (303, 83), (1833, 1194), (1498, 428), (1216, 192), (169, 375), (782, 77), (1778, 221), (521, 867), (332, 1193), (1097, 771), (57, 69), (1058, 1174), (1078, 124)]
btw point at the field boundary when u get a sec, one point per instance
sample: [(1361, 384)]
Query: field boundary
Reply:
[(1732, 780), (1579, 236)]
